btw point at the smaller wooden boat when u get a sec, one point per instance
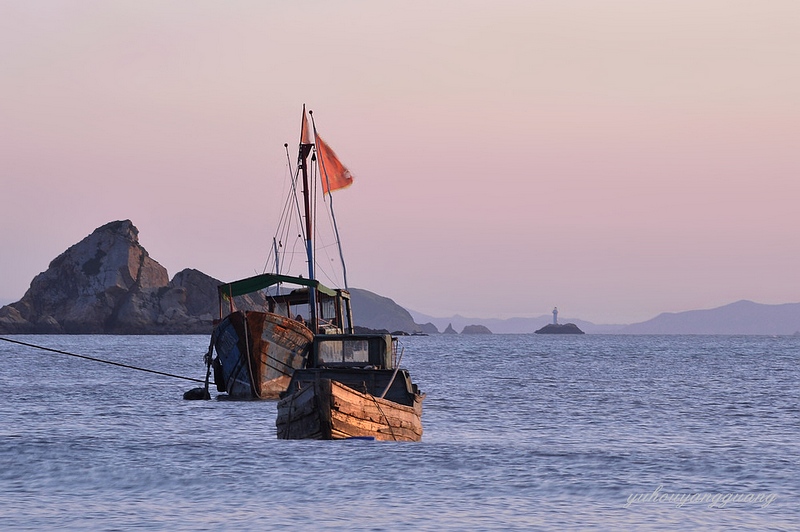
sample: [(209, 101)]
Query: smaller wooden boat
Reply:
[(354, 390)]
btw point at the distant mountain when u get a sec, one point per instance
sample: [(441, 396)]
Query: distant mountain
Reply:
[(512, 325), (742, 317), (377, 312)]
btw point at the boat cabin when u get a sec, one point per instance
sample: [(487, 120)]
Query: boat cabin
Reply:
[(364, 362), (376, 351), (332, 314)]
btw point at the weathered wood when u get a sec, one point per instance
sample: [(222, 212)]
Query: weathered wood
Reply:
[(382, 431), (279, 345), (259, 351), (330, 410), (323, 396), (353, 403), (304, 415)]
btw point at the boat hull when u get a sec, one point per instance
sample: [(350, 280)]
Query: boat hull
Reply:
[(329, 410), (257, 352)]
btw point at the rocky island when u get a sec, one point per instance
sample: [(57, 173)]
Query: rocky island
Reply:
[(559, 328), (476, 329), (108, 284)]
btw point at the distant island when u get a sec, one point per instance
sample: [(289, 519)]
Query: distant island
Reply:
[(476, 329), (559, 328)]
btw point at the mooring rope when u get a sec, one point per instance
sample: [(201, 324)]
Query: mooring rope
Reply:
[(101, 360), (388, 423)]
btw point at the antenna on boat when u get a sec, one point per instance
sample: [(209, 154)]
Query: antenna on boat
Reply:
[(277, 258), (324, 175)]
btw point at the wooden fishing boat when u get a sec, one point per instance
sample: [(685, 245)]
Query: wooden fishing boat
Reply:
[(354, 389), (333, 383)]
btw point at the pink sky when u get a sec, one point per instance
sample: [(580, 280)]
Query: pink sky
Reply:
[(616, 159)]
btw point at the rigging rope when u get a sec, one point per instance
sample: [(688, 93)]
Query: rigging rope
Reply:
[(101, 360), (285, 221), (324, 172)]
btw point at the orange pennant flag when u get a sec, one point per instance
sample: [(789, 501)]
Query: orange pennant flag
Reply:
[(333, 173)]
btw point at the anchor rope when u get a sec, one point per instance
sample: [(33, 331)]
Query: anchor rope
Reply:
[(101, 360), (388, 423)]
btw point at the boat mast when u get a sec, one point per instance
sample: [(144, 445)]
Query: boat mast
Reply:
[(302, 165)]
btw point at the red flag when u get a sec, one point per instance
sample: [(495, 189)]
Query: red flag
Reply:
[(333, 173)]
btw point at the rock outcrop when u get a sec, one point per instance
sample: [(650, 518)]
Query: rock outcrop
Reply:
[(558, 328), (449, 329), (428, 328), (107, 283), (476, 329)]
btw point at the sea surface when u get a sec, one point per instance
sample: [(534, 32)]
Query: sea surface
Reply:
[(522, 432)]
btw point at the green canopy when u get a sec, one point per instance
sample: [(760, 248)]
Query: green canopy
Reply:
[(259, 282)]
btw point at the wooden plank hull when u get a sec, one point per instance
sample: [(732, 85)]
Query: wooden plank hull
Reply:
[(258, 352), (329, 410), (279, 346)]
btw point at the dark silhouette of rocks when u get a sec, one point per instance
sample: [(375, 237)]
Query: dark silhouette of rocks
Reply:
[(366, 330), (476, 329), (559, 328), (449, 329)]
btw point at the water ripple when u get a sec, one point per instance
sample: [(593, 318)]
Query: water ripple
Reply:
[(521, 432)]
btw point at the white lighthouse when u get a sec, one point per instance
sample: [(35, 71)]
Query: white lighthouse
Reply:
[(555, 315)]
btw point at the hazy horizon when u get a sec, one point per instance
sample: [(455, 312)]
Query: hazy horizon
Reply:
[(615, 159)]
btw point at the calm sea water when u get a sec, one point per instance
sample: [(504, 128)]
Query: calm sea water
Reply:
[(521, 432)]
